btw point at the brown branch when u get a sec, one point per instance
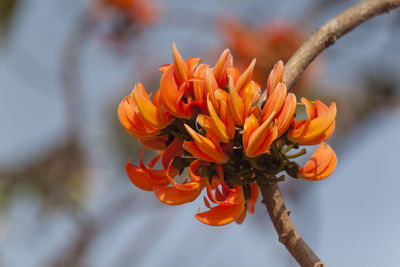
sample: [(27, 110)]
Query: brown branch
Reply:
[(287, 233), (319, 40), (327, 35)]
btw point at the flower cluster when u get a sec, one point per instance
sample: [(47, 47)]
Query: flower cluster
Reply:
[(206, 119)]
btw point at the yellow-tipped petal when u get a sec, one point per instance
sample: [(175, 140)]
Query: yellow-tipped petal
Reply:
[(250, 125), (224, 62), (211, 86), (314, 128), (275, 77), (321, 164), (207, 146), (218, 125), (286, 116), (147, 110), (246, 76), (181, 69), (274, 102), (236, 104), (199, 89), (259, 138)]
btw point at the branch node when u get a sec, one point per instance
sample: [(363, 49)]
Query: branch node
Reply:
[(283, 238), (319, 264)]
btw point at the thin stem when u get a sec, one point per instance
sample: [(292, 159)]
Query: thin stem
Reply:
[(298, 154)]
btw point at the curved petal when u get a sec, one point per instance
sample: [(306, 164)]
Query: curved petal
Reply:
[(138, 177), (220, 215), (274, 102), (246, 76), (321, 164), (174, 196), (181, 70), (275, 77), (224, 62)]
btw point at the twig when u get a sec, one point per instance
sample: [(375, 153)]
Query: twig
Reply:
[(319, 40), (328, 33), (288, 235)]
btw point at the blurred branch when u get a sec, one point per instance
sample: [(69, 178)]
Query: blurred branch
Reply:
[(70, 70), (322, 38)]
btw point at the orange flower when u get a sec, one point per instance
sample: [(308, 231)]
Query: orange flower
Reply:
[(179, 194), (205, 148), (147, 177), (228, 136), (151, 113), (257, 139), (230, 205), (285, 116), (249, 203), (133, 122), (275, 77), (224, 63), (321, 164), (222, 125), (318, 127), (176, 89), (241, 104), (274, 103)]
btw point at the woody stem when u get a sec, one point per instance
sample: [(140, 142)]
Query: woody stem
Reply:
[(328, 34), (287, 233), (322, 38)]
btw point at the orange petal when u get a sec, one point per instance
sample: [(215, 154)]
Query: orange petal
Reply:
[(236, 104), (224, 62), (196, 152), (286, 115), (169, 95), (211, 86), (175, 149), (194, 169), (321, 164), (274, 102), (250, 125), (275, 77), (138, 177), (174, 196), (205, 122), (246, 76), (208, 146), (220, 215), (251, 202), (147, 110), (314, 128), (199, 89), (227, 211), (218, 126), (261, 137), (181, 70)]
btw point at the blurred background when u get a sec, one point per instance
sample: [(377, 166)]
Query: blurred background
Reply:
[(65, 199)]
